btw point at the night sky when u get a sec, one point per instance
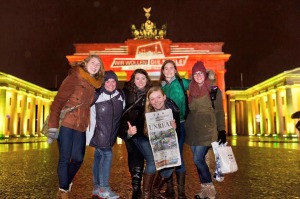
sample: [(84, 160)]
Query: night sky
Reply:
[(262, 36)]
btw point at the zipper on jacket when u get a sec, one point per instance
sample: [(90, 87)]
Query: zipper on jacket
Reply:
[(112, 121)]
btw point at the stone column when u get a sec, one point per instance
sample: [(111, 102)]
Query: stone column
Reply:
[(232, 117), (263, 117), (271, 113), (3, 117), (289, 110), (279, 111), (13, 126)]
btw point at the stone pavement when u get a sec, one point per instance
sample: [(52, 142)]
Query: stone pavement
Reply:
[(268, 168)]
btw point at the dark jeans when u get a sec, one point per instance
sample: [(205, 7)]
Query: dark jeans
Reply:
[(71, 145), (181, 168), (135, 157), (199, 153)]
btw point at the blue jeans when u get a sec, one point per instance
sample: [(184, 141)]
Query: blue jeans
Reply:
[(143, 144), (102, 166), (181, 168), (71, 145), (199, 153)]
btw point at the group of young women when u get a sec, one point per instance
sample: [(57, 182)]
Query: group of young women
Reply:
[(108, 119)]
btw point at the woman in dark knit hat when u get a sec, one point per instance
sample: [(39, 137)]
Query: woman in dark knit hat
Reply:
[(105, 121), (201, 127)]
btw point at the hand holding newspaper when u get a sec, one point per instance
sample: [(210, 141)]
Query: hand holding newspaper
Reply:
[(163, 139)]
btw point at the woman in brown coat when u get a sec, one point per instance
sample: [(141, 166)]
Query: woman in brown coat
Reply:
[(77, 89)]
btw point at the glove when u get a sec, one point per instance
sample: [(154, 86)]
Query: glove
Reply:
[(52, 135), (298, 126), (222, 137)]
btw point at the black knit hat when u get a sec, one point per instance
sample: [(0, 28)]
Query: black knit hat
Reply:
[(110, 75)]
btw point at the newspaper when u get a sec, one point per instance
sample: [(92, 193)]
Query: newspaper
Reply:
[(163, 139)]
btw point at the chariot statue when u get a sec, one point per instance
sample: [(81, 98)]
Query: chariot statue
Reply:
[(148, 29)]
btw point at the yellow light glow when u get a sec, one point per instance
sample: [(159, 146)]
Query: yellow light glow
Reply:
[(119, 141), (270, 103), (16, 95)]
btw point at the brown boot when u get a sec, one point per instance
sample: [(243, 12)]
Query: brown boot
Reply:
[(147, 185), (181, 185), (62, 194), (157, 185)]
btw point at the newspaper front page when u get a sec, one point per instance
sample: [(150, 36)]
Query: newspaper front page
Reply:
[(163, 139)]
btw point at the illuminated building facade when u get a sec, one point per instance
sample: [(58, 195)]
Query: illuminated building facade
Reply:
[(23, 107), (149, 48), (266, 108)]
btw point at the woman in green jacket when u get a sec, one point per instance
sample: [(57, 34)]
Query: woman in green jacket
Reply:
[(175, 88)]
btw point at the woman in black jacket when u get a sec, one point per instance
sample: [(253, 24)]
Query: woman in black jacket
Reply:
[(135, 96)]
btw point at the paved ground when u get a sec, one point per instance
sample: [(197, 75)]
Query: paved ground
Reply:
[(268, 168)]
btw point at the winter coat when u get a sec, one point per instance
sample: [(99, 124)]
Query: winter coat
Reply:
[(176, 114), (174, 91), (105, 118), (219, 111), (135, 115), (201, 125), (73, 91)]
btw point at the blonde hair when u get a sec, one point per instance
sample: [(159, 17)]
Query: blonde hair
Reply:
[(148, 107), (84, 63)]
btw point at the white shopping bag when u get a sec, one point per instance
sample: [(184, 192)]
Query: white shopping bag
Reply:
[(224, 159), (228, 162), (218, 175)]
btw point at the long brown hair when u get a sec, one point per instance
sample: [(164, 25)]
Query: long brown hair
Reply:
[(130, 84), (162, 75)]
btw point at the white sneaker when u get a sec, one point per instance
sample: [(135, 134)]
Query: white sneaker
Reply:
[(112, 195)]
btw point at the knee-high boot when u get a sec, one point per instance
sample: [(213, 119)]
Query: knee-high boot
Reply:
[(170, 193), (157, 185), (147, 185), (181, 185), (136, 182)]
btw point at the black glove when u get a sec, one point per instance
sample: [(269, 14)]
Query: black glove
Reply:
[(222, 137), (298, 126)]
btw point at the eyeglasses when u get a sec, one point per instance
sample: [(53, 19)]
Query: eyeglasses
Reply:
[(198, 73)]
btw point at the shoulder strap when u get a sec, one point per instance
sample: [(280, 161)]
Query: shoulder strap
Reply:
[(187, 110), (181, 84), (129, 108), (171, 104), (213, 95)]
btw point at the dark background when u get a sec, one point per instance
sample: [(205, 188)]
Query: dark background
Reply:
[(262, 36)]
